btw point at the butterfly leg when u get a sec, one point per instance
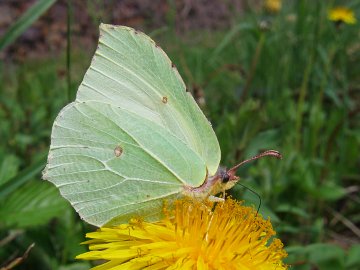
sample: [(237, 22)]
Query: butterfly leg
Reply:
[(215, 199)]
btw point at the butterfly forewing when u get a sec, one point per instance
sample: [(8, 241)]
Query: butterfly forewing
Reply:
[(130, 71)]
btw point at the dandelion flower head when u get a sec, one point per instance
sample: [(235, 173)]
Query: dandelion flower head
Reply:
[(273, 6), (342, 14), (191, 236)]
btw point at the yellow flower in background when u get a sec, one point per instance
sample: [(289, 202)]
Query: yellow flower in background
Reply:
[(273, 5), (195, 236), (342, 14)]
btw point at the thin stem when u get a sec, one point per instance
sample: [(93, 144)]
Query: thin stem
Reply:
[(253, 66), (348, 223), (301, 101)]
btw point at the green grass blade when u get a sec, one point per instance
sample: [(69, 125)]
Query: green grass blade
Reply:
[(31, 15), (23, 177), (230, 36), (31, 205)]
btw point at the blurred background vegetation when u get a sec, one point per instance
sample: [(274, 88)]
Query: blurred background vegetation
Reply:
[(272, 76)]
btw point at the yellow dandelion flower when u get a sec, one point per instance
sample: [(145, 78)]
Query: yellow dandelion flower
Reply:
[(196, 236), (342, 14), (273, 6)]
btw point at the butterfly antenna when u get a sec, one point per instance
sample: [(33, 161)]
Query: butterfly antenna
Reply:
[(271, 153), (254, 192)]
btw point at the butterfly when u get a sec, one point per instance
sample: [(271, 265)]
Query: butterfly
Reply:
[(134, 137)]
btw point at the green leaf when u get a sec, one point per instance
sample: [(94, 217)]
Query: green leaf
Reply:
[(22, 177), (288, 229), (69, 234), (353, 257), (33, 204), (296, 250), (287, 208), (331, 192), (264, 140), (8, 168), (326, 256), (75, 266), (228, 38), (295, 254), (31, 15), (319, 256)]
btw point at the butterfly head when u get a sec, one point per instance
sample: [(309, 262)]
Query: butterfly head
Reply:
[(228, 179), (224, 179)]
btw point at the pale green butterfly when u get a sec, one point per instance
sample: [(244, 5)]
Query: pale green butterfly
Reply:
[(134, 137)]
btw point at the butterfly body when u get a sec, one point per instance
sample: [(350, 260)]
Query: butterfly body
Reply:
[(212, 186)]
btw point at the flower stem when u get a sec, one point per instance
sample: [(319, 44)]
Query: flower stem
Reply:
[(253, 66)]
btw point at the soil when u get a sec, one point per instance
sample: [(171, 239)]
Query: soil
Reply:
[(47, 35)]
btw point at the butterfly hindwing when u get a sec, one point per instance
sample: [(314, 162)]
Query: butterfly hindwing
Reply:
[(109, 162)]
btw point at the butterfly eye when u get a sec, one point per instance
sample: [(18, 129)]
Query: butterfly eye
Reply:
[(225, 177)]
